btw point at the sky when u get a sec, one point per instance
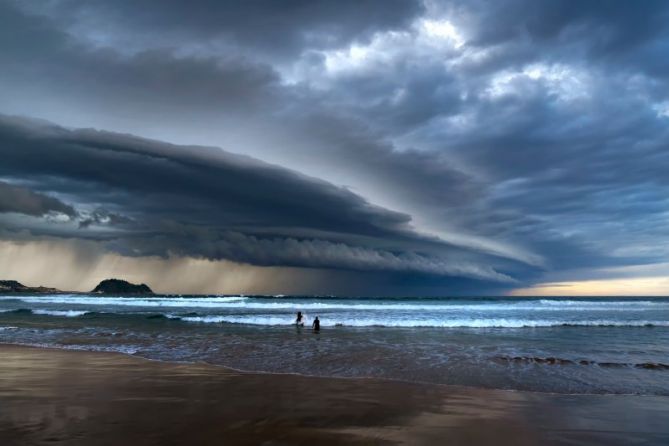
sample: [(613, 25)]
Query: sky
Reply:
[(368, 147)]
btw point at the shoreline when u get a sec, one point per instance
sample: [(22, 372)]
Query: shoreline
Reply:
[(81, 397), (458, 387)]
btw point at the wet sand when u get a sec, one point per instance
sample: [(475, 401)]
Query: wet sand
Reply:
[(83, 398)]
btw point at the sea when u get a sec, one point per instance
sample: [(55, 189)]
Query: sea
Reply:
[(601, 345)]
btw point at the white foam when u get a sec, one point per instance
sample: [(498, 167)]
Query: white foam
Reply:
[(251, 320), (201, 302), (127, 349), (240, 302), (66, 313), (434, 323)]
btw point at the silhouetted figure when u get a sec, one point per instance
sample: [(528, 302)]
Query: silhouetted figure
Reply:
[(316, 325), (298, 320)]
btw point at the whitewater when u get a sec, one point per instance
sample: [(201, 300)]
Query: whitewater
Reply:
[(475, 313)]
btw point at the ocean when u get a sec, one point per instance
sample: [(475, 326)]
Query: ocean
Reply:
[(562, 345)]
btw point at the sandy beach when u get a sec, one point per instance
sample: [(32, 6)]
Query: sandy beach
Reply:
[(74, 397)]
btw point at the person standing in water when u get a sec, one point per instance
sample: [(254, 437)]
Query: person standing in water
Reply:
[(316, 325), (298, 320)]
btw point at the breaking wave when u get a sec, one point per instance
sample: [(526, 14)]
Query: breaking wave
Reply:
[(65, 313), (562, 361), (241, 302), (417, 323), (203, 302)]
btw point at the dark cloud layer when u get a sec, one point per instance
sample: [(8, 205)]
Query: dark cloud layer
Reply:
[(262, 25), (24, 201), (524, 137), (152, 198)]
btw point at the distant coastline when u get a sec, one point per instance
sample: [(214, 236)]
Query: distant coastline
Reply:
[(107, 286), (14, 286)]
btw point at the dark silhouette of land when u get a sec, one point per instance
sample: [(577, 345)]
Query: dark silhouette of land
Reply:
[(13, 286), (107, 286), (118, 286)]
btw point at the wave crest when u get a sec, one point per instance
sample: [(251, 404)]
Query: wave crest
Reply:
[(417, 323)]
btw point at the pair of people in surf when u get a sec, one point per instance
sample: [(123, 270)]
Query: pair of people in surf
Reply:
[(299, 321)]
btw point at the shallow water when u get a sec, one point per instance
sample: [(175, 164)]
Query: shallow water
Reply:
[(603, 345)]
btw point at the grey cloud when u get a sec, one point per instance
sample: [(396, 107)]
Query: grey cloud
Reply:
[(560, 163), (146, 81), (315, 253), (576, 171), (205, 202), (265, 26), (407, 173), (24, 201), (224, 92), (103, 217), (606, 26), (154, 87), (212, 177)]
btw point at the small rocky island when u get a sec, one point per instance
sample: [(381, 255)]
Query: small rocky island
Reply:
[(13, 286), (118, 286)]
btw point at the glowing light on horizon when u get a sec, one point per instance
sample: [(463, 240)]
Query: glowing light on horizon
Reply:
[(639, 286)]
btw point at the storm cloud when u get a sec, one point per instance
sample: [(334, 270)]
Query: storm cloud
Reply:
[(24, 201), (417, 142), (146, 198)]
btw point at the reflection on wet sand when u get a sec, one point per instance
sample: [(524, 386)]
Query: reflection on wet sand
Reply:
[(67, 397)]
